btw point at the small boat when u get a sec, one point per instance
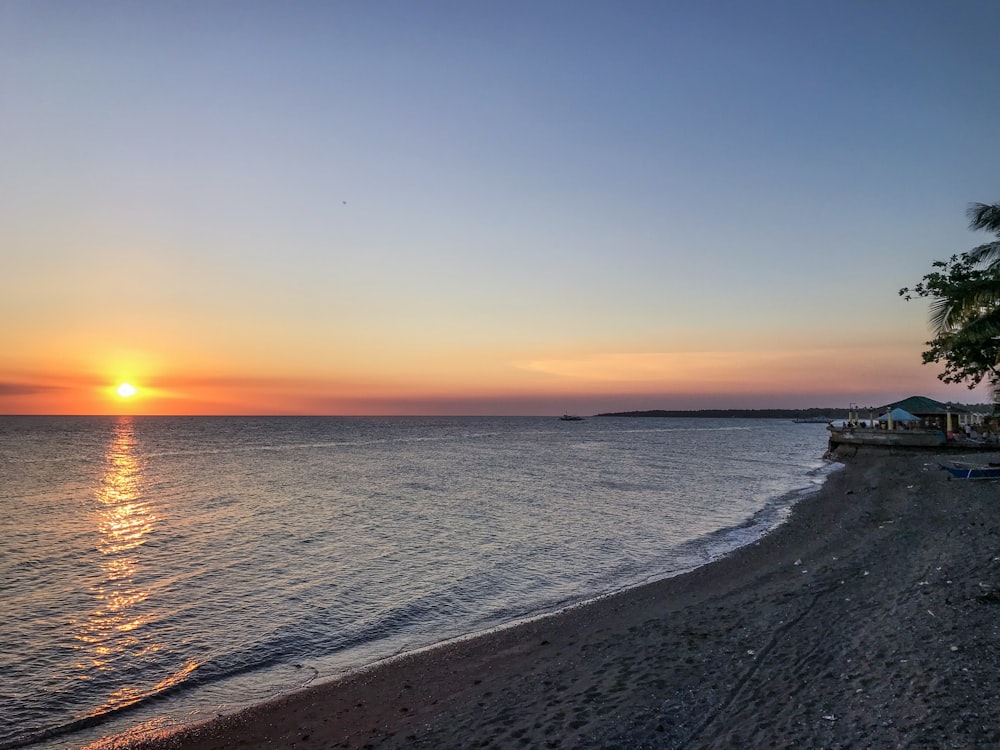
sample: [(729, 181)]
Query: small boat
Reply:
[(570, 418), (968, 471)]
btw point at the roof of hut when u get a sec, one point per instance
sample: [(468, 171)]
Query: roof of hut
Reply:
[(922, 406)]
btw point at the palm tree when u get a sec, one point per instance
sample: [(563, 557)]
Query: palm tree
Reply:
[(964, 297)]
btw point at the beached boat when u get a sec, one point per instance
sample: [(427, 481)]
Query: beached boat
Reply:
[(570, 418), (969, 471)]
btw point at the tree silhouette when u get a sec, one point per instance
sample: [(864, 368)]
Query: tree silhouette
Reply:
[(964, 294)]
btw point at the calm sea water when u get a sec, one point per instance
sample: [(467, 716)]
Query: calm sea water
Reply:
[(156, 571)]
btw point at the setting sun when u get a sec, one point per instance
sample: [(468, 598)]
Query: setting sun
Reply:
[(126, 390)]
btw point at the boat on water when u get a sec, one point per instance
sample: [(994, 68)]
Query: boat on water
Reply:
[(570, 418), (970, 471)]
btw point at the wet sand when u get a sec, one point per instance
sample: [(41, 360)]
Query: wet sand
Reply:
[(871, 619)]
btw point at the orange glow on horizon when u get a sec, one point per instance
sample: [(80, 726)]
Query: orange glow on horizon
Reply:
[(535, 394), (507, 382)]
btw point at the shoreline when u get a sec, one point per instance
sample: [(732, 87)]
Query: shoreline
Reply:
[(867, 619)]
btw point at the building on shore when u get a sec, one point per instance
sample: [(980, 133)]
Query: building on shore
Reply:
[(933, 414), (919, 422)]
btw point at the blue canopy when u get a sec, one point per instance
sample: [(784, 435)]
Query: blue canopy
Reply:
[(899, 415)]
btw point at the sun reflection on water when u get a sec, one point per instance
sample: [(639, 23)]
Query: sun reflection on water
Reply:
[(112, 639)]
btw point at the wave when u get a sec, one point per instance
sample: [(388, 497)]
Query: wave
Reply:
[(101, 715)]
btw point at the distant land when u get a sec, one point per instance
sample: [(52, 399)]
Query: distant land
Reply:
[(813, 413)]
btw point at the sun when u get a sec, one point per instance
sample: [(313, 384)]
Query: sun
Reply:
[(126, 390)]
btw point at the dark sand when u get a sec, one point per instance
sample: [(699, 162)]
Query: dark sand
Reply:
[(870, 620)]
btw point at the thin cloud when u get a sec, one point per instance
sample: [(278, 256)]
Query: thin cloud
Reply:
[(27, 389)]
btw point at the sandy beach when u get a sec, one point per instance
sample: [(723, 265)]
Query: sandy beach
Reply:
[(871, 619)]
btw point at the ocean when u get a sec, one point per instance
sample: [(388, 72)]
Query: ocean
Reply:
[(159, 570)]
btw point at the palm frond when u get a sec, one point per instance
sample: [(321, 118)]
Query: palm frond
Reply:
[(988, 254), (985, 216), (983, 328), (976, 298), (941, 315)]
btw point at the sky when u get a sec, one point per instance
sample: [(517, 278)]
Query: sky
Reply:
[(485, 207)]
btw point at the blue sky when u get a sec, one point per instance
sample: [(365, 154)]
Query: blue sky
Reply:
[(373, 206)]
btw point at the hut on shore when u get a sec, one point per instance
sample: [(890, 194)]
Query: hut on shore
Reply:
[(932, 414)]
